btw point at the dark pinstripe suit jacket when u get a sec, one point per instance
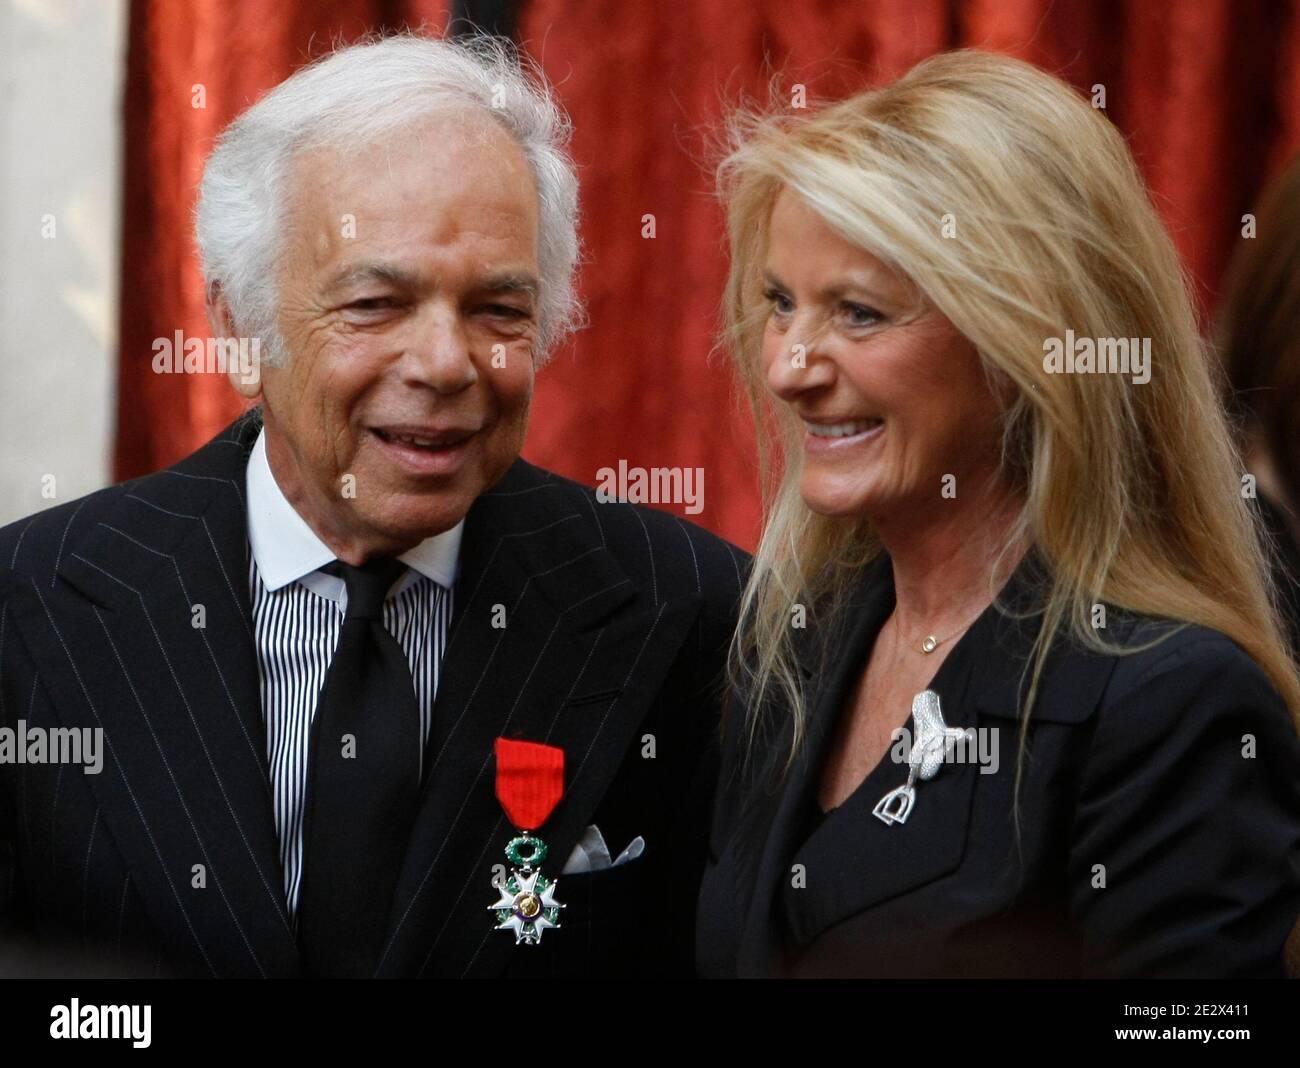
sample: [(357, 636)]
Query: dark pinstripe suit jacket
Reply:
[(617, 618)]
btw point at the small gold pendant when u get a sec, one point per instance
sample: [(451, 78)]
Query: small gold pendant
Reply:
[(930, 644)]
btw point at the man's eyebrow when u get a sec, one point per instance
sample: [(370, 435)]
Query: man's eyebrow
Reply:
[(510, 282), (373, 272)]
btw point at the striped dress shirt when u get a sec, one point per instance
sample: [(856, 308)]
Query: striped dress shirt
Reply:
[(298, 612)]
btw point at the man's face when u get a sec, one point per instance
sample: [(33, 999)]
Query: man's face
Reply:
[(408, 309)]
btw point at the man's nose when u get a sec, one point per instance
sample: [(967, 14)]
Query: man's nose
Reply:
[(442, 359)]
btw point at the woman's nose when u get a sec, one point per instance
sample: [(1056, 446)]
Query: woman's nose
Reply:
[(798, 366)]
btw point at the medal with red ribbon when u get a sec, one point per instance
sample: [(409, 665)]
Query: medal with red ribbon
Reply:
[(530, 783)]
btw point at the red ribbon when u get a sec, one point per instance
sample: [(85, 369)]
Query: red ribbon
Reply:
[(530, 781)]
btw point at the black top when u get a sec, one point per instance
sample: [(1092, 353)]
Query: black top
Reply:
[(1149, 844)]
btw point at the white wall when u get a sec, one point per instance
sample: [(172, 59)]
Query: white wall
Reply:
[(60, 154)]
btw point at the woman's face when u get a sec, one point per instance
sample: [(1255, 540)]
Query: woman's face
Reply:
[(892, 397)]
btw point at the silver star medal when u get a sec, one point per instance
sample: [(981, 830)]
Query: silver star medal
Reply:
[(930, 743), (527, 903)]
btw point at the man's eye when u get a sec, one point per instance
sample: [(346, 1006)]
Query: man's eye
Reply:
[(372, 304), (508, 311), (782, 304), (861, 315)]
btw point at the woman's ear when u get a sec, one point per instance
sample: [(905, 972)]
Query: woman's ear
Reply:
[(243, 373)]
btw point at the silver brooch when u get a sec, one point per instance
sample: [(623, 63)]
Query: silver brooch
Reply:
[(930, 740)]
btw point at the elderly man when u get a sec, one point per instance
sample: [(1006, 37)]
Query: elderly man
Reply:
[(376, 696)]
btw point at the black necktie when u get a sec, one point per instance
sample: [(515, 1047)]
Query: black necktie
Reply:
[(363, 780)]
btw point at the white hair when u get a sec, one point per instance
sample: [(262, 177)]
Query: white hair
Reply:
[(354, 98)]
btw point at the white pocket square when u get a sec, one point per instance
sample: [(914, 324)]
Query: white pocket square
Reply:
[(591, 853)]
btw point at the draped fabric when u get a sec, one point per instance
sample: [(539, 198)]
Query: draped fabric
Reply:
[(1207, 91)]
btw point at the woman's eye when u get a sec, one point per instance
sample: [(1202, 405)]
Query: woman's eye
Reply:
[(781, 304), (860, 314)]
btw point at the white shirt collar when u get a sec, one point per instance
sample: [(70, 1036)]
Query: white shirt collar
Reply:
[(287, 549)]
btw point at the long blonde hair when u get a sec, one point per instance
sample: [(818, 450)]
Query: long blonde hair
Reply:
[(1018, 212)]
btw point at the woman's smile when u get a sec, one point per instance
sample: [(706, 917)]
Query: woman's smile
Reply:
[(821, 437)]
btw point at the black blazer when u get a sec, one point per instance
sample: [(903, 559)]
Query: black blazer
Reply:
[(1134, 774), (617, 619)]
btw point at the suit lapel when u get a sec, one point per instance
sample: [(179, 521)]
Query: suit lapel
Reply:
[(551, 642), (577, 664), (163, 660)]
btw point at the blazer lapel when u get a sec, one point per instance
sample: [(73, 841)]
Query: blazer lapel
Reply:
[(983, 671), (163, 660), (551, 642), (830, 678)]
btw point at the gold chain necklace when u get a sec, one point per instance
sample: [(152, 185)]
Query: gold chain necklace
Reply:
[(932, 642)]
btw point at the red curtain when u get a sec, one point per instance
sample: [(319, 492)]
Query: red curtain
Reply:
[(1208, 92)]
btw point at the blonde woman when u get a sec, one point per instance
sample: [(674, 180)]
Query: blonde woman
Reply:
[(1011, 697)]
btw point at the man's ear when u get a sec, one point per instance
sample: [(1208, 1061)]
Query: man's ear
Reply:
[(247, 381)]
